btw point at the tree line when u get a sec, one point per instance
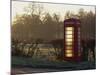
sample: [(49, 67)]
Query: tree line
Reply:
[(35, 22)]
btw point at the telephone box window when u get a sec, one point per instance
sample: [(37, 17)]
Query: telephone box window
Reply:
[(68, 43), (69, 28), (69, 32), (69, 55), (69, 47), (69, 40), (68, 51), (69, 36)]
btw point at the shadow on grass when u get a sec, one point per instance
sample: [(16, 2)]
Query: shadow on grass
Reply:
[(39, 63)]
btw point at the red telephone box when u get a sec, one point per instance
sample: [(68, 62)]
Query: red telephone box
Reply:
[(72, 39)]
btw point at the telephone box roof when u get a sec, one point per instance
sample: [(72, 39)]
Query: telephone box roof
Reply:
[(72, 21)]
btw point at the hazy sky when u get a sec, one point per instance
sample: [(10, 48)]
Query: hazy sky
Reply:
[(18, 8)]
